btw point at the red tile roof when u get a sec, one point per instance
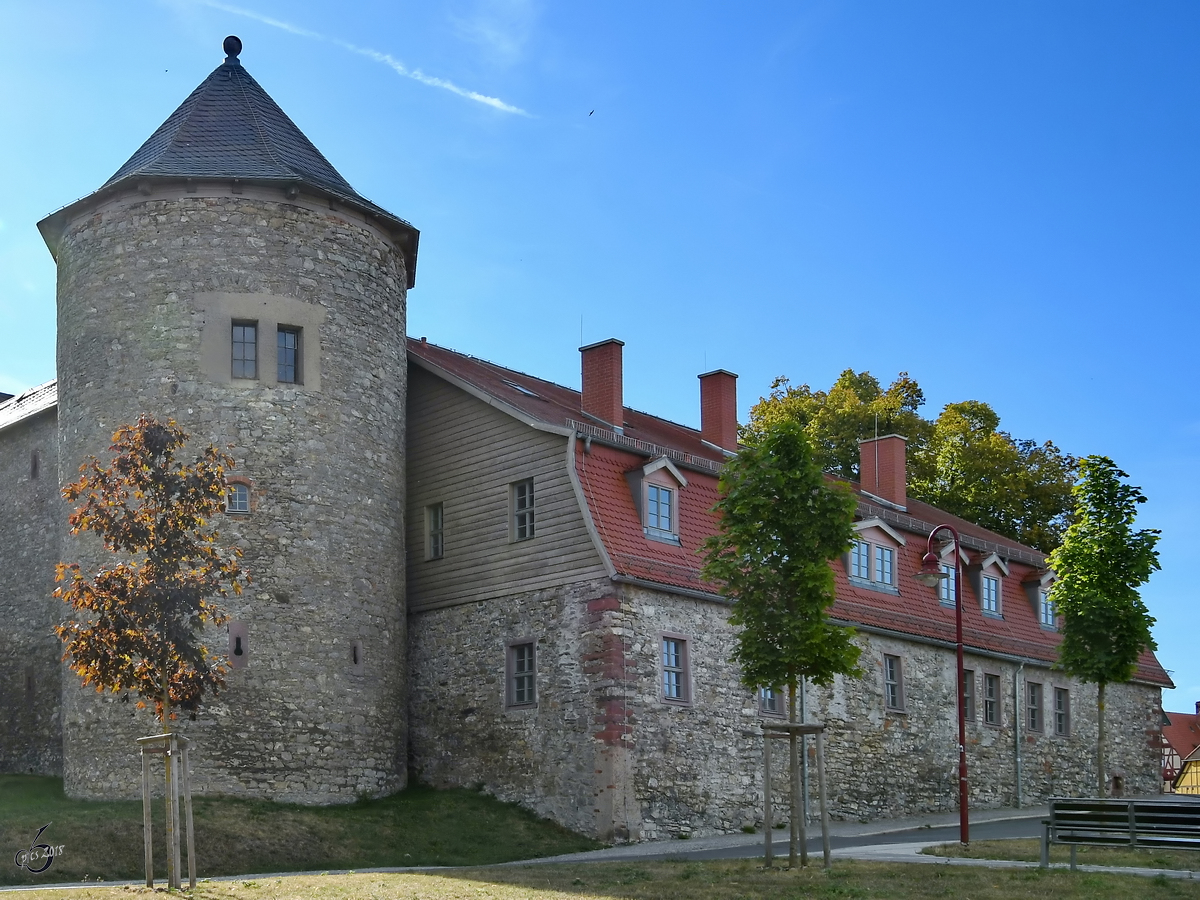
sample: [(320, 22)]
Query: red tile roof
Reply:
[(1183, 733), (601, 469)]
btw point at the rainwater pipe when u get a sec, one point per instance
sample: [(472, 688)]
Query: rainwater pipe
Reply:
[(1017, 725)]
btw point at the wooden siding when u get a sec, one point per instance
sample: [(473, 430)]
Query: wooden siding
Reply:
[(465, 454)]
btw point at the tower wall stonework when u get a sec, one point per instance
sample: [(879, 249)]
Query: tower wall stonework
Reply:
[(31, 515), (148, 286)]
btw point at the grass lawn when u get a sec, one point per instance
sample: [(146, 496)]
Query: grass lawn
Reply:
[(720, 880), (417, 827), (1030, 849)]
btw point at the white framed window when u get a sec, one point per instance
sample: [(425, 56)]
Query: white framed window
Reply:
[(1062, 712), (893, 683), (661, 512), (675, 674), (1033, 706), (434, 545), (244, 350), (522, 509), (946, 586), (1046, 614), (860, 560), (521, 667), (991, 699), (237, 498), (885, 568), (990, 598)]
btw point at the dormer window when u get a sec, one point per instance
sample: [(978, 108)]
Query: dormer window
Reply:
[(988, 580), (1037, 587), (871, 562), (655, 488), (946, 587)]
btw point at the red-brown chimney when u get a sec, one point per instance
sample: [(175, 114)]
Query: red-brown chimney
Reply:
[(718, 409), (882, 468), (602, 381)]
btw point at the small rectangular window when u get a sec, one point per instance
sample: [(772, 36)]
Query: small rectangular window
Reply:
[(237, 498), (245, 349), (893, 683), (860, 559), (946, 587), (991, 594), (522, 674), (674, 669), (884, 557), (522, 506), (1062, 712), (770, 701), (1046, 613), (1033, 705), (969, 695), (659, 503), (288, 356), (433, 531), (991, 699)]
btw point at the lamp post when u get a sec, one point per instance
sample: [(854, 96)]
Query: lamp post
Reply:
[(931, 574)]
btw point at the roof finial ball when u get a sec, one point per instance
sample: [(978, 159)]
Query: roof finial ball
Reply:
[(232, 47)]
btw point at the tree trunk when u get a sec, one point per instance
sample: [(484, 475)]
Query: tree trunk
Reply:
[(1101, 781), (798, 839), (172, 837)]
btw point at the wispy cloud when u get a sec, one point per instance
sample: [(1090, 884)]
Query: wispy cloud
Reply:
[(385, 58)]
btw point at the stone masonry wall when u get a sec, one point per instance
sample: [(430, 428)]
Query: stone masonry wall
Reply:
[(31, 517), (463, 733), (324, 541), (604, 754)]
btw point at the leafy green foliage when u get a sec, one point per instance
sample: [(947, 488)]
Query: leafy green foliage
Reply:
[(1099, 567), (143, 615), (781, 522), (961, 462)]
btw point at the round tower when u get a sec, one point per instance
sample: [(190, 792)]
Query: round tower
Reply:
[(228, 277)]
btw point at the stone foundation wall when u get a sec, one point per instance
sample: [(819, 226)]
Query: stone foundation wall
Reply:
[(32, 515)]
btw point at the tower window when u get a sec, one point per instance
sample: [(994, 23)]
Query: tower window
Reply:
[(522, 674), (433, 531), (288, 350), (237, 498), (522, 507), (245, 350), (35, 464)]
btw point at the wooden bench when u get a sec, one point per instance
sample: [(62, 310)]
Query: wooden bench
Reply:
[(1159, 823)]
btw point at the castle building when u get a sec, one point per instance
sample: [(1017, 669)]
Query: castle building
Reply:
[(461, 570)]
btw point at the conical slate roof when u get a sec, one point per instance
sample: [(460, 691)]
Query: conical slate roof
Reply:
[(231, 128)]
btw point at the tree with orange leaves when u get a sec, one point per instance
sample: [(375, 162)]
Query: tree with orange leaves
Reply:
[(139, 621)]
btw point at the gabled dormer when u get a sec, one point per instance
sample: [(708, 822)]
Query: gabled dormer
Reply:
[(987, 580), (947, 586), (874, 556), (655, 488), (1037, 589)]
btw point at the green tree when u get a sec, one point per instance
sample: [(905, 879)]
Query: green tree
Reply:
[(139, 621), (970, 468), (1100, 565), (834, 421), (961, 462), (780, 523)]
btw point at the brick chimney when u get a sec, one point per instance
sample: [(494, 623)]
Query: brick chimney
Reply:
[(718, 409), (882, 468), (602, 381)]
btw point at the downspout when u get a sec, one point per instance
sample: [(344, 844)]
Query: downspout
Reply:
[(1017, 726)]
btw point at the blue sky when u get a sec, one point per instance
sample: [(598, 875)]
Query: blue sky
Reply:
[(1001, 200)]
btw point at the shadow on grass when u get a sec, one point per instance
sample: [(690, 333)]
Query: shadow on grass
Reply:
[(416, 827)]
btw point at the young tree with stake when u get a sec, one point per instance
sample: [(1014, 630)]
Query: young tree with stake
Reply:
[(780, 524), (1099, 567), (139, 621)]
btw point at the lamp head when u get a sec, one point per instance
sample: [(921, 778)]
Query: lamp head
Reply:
[(931, 570)]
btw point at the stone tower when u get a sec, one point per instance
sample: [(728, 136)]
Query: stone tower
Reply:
[(228, 277)]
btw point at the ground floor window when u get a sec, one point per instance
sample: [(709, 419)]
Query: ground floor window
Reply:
[(675, 669), (522, 673)]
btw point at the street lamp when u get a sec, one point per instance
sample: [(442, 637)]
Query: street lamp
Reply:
[(931, 574)]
